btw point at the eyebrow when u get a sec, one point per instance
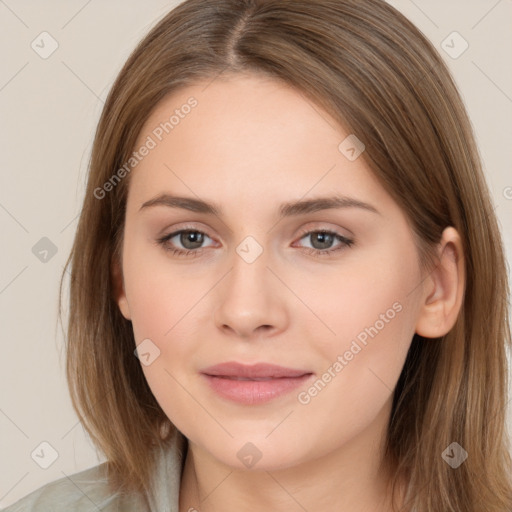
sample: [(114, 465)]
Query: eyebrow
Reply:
[(288, 209)]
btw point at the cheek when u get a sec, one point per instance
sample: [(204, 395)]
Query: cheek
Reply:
[(372, 312), (161, 300), (368, 297), (359, 378), (164, 308), (167, 307)]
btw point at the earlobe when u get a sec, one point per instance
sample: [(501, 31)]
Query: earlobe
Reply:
[(444, 288), (119, 289)]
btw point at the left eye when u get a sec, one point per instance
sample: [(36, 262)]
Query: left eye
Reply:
[(192, 240), (324, 239)]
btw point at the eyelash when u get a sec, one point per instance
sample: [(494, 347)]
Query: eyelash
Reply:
[(346, 242)]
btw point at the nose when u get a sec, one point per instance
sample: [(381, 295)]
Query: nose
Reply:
[(251, 301)]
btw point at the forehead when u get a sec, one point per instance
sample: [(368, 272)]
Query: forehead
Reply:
[(253, 111), (244, 137)]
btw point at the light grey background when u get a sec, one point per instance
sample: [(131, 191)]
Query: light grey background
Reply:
[(49, 109)]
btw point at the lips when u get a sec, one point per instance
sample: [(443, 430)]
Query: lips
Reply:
[(253, 384), (256, 372)]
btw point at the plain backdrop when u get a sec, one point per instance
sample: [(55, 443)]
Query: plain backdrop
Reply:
[(49, 108)]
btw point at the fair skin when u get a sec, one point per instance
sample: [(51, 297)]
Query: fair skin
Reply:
[(250, 145)]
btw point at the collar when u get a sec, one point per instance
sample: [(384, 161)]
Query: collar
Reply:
[(165, 488)]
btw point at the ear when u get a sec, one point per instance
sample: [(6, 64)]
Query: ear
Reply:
[(444, 288), (119, 289)]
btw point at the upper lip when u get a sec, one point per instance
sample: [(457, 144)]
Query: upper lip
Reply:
[(259, 370)]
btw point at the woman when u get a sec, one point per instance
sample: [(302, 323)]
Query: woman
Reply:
[(287, 224)]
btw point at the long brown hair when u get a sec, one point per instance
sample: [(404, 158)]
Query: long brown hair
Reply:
[(377, 75)]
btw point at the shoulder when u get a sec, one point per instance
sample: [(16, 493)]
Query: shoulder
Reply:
[(86, 491)]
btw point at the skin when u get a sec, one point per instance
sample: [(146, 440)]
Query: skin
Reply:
[(249, 145)]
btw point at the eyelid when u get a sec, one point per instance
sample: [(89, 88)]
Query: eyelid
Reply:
[(184, 226), (325, 226)]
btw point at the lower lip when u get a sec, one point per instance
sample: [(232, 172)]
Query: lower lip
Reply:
[(254, 392)]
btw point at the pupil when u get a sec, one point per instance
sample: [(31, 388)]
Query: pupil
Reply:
[(325, 239), (191, 236)]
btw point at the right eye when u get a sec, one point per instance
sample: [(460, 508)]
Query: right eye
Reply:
[(190, 240)]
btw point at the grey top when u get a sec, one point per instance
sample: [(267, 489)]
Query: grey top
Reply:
[(87, 491)]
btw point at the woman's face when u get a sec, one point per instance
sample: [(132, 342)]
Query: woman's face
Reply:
[(255, 286)]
